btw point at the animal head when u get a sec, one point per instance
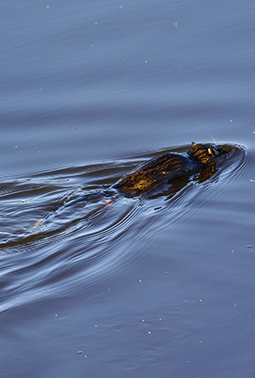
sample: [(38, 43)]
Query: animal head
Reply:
[(205, 152)]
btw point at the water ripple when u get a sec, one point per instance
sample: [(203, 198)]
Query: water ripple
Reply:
[(85, 242)]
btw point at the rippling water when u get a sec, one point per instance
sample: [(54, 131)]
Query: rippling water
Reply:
[(160, 286), (38, 260)]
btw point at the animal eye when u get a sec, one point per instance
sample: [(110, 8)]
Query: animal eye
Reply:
[(210, 151)]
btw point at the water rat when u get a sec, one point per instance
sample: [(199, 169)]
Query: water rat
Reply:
[(154, 173), (165, 168)]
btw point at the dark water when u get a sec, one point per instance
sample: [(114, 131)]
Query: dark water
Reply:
[(144, 288)]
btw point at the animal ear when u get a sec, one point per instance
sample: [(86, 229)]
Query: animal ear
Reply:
[(210, 151), (193, 144)]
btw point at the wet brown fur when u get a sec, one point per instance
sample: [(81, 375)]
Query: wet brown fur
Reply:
[(166, 167)]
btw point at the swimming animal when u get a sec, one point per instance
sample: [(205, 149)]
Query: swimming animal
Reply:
[(166, 167), (152, 175)]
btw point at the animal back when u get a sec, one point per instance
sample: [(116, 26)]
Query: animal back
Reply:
[(155, 171)]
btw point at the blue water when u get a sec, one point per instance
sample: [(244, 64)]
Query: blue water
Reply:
[(144, 288)]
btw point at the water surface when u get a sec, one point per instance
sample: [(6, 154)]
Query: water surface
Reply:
[(143, 287)]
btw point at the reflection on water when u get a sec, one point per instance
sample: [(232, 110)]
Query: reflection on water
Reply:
[(81, 240)]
